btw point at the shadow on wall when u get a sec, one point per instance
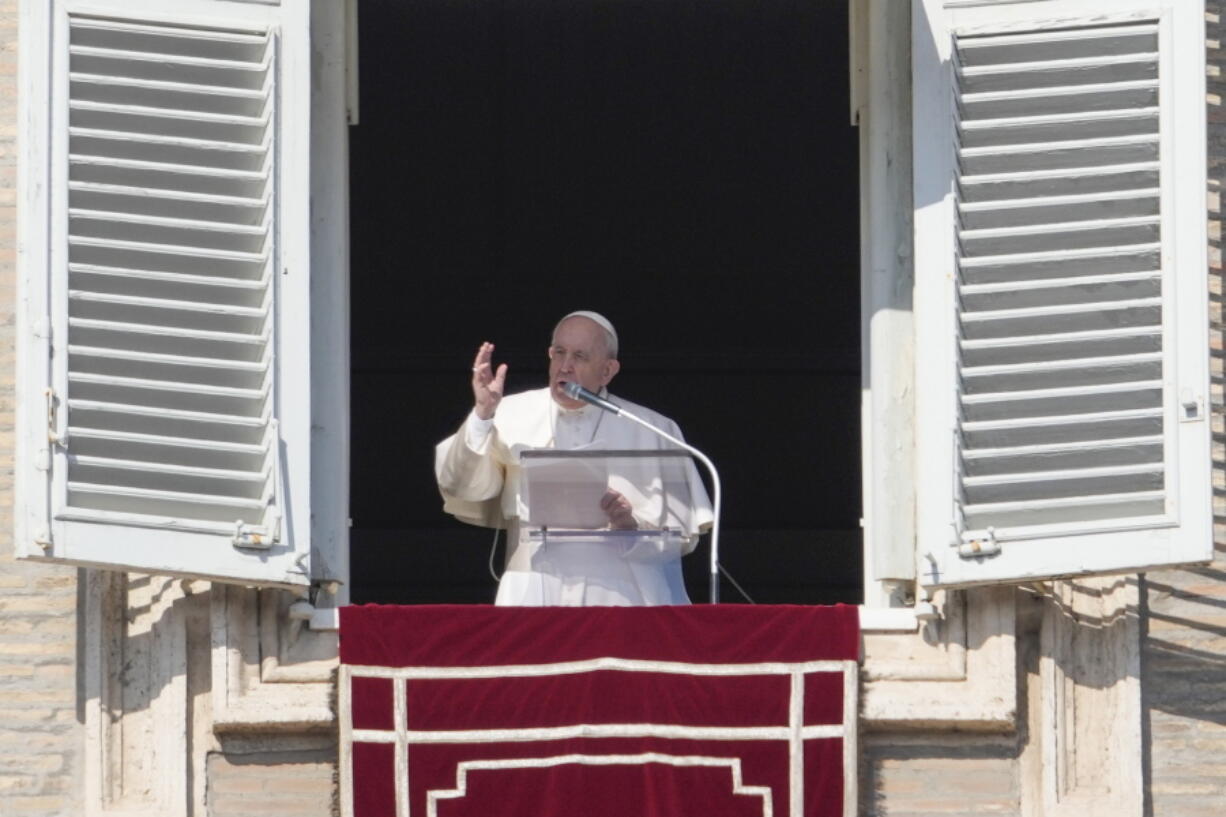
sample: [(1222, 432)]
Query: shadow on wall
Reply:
[(1184, 652)]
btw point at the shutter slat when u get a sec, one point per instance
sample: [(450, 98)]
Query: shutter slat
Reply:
[(1046, 458), (196, 398), (195, 117), (142, 221), (1023, 184), (1025, 239), (170, 469), (164, 455), (170, 369), (142, 276), (1057, 283), (170, 360), (1035, 151), (1068, 474), (151, 203), (1053, 420), (1099, 259), (1109, 335), (1053, 101), (1055, 43), (172, 152), (111, 435), (1073, 364), (1082, 153), (198, 174), (1078, 176), (225, 152), (130, 84), (152, 502), (168, 195), (1063, 292), (1094, 225), (1021, 406), (159, 385), (1055, 515), (167, 303), (1021, 393), (1019, 70), (170, 331), (89, 29), (1026, 451), (210, 253), (1065, 502), (119, 55), (989, 315), (1105, 206), (236, 420), (1022, 130), (1025, 94)]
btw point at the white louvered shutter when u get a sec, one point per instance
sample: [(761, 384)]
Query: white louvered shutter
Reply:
[(1061, 288), (165, 401)]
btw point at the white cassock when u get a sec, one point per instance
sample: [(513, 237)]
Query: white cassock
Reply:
[(479, 476)]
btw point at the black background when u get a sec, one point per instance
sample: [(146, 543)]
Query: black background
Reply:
[(687, 169)]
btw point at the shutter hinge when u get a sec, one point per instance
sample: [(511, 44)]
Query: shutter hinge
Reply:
[(54, 435), (987, 545)]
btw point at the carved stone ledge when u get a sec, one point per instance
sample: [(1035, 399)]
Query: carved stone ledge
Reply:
[(269, 671), (136, 691), (958, 671)]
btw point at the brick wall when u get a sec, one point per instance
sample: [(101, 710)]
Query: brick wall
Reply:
[(40, 736), (950, 775), (1184, 651), (260, 777)]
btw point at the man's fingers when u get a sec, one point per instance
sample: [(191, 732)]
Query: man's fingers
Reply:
[(613, 500), (617, 508), (484, 352), (499, 379)]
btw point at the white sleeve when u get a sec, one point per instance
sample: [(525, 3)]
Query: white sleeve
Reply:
[(477, 432), (467, 469)]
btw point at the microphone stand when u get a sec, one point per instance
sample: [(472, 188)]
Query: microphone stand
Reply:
[(577, 392)]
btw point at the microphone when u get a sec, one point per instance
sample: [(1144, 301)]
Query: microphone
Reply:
[(576, 392)]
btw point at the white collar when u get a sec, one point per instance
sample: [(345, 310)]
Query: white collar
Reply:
[(584, 411)]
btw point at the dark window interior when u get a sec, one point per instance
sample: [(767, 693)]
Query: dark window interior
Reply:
[(685, 168)]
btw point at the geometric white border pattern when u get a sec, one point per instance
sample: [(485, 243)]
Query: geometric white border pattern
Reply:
[(794, 732), (733, 764)]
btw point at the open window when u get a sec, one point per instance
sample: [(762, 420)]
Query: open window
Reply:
[(1061, 288), (164, 412)]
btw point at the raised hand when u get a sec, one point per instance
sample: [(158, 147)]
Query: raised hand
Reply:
[(487, 384)]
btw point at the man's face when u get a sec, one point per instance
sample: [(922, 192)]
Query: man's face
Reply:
[(578, 354)]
